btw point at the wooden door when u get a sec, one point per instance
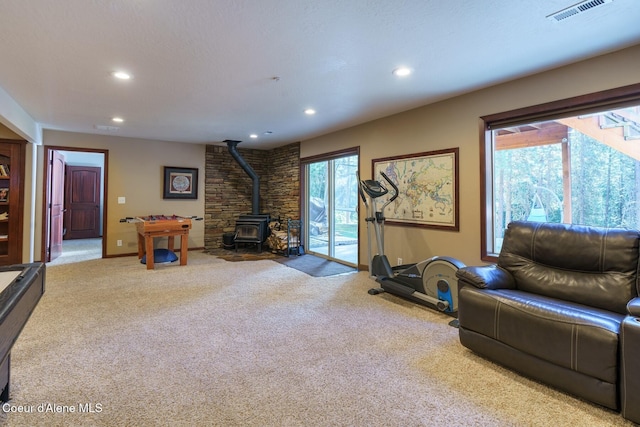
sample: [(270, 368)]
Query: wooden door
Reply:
[(57, 205), (82, 216)]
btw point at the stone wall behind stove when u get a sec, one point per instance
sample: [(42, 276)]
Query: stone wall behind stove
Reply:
[(228, 187)]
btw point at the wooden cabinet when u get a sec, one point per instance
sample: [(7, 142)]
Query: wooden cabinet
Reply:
[(12, 155)]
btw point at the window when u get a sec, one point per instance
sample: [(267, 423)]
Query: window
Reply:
[(574, 161)]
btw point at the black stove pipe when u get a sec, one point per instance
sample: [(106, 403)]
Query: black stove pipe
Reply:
[(255, 194)]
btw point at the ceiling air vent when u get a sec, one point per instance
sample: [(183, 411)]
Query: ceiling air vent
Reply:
[(576, 9)]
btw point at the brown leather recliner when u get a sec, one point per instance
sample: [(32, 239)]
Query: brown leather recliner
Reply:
[(561, 306)]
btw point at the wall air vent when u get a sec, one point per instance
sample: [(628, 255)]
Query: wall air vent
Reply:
[(576, 9), (107, 128)]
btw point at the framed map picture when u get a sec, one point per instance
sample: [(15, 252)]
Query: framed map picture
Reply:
[(180, 183), (427, 189)]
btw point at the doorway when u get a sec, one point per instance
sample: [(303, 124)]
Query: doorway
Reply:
[(74, 215), (330, 206)]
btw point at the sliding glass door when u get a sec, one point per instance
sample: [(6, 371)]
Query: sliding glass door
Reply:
[(331, 199)]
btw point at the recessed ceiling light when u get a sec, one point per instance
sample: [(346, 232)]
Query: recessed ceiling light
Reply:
[(121, 75), (309, 111), (117, 119), (401, 71), (253, 135)]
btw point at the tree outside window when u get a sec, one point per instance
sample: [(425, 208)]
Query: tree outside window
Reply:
[(579, 169)]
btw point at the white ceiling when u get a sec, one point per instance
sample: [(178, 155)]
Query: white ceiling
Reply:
[(209, 70)]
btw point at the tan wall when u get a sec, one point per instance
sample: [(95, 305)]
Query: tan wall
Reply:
[(135, 172), (455, 123), (7, 133), (30, 212), (135, 166)]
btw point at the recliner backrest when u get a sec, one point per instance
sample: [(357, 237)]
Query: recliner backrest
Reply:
[(588, 265)]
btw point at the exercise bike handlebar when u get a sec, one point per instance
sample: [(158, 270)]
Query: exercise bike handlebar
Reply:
[(364, 199), (395, 188), (395, 191)]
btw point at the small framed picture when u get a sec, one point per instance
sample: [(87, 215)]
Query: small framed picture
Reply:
[(4, 194), (180, 183)]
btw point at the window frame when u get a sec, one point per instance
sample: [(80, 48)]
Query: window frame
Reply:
[(608, 99)]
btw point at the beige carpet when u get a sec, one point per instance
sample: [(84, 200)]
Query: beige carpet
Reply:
[(218, 343)]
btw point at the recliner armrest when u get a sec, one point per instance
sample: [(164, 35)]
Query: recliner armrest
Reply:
[(633, 307), (630, 363), (486, 277)]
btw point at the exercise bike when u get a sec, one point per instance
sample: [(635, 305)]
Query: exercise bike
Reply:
[(431, 282)]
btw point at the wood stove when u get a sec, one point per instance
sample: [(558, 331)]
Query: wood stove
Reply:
[(252, 228)]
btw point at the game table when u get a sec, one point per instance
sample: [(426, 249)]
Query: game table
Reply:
[(152, 226), (21, 287)]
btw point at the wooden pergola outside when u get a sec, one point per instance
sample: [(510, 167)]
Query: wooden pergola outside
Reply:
[(618, 129)]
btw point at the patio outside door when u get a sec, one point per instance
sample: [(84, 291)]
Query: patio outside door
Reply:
[(331, 199)]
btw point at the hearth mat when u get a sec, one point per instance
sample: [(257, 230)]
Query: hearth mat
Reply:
[(243, 254), (315, 266)]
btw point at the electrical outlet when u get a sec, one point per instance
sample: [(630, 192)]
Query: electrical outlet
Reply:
[(399, 261), (119, 243)]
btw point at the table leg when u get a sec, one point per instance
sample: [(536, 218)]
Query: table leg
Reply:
[(149, 250), (140, 245), (184, 248), (6, 374)]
